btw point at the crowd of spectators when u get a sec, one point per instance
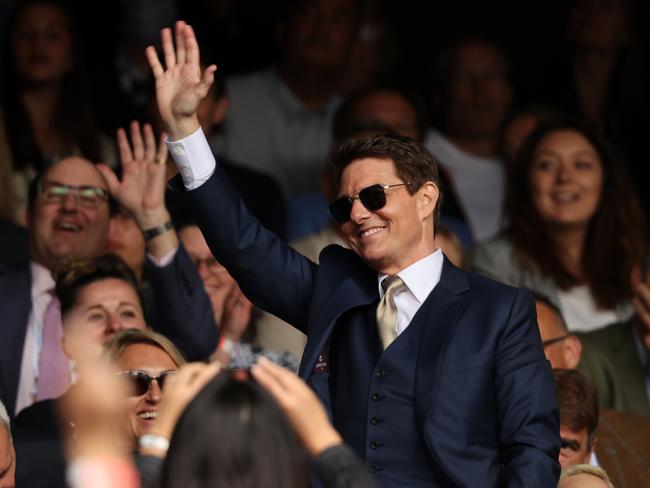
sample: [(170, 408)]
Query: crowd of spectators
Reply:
[(130, 355)]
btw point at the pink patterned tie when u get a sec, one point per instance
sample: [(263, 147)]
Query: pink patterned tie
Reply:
[(53, 365)]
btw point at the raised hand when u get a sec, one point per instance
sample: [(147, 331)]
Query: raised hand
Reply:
[(300, 405), (181, 86), (142, 188), (236, 314)]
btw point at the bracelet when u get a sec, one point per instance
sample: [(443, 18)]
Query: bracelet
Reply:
[(156, 231), (154, 441)]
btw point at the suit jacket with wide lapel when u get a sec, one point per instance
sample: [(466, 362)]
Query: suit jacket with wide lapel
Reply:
[(15, 307)]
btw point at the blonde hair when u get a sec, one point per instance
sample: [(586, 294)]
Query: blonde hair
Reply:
[(587, 469), (125, 338)]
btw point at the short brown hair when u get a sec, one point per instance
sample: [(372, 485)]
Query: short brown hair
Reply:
[(129, 337), (413, 163), (76, 274), (577, 401)]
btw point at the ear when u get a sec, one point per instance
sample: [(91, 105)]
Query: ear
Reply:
[(67, 348), (427, 198), (220, 110), (572, 350)]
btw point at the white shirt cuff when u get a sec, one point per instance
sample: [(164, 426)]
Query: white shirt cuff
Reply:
[(163, 261), (194, 159)]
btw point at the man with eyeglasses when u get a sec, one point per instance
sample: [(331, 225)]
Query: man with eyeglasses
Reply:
[(68, 217), (434, 376), (614, 440)]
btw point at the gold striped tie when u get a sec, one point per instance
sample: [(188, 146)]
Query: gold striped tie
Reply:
[(387, 311)]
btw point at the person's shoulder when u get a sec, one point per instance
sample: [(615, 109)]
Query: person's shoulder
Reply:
[(249, 83), (609, 336)]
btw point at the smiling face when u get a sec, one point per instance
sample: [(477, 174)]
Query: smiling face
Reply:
[(102, 309), (397, 235), (566, 177), (143, 409), (41, 44), (67, 228)]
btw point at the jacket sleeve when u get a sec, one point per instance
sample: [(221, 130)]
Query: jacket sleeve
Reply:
[(275, 277), (179, 308), (526, 407)]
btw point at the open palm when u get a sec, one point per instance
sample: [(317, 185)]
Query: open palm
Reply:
[(180, 87)]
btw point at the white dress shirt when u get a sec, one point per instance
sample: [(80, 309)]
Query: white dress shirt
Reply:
[(420, 279), (42, 284)]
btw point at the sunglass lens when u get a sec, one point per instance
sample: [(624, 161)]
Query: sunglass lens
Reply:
[(373, 197), (340, 209), (140, 383)]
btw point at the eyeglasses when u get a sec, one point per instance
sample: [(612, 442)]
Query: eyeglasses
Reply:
[(88, 196), (140, 382), (372, 197), (555, 340)]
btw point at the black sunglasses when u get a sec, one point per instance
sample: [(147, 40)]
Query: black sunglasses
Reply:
[(372, 197), (140, 382)]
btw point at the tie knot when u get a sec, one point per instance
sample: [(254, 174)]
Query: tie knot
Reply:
[(393, 285)]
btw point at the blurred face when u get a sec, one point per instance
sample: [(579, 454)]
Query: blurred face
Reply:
[(479, 94), (41, 45), (152, 360), (68, 227), (582, 481), (550, 327), (392, 110), (216, 279), (515, 133), (574, 447), (126, 240), (400, 233), (103, 308), (566, 179), (7, 460), (319, 33), (597, 23)]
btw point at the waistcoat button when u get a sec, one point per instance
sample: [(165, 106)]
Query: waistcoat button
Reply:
[(376, 397), (375, 420), (380, 374), (375, 445)]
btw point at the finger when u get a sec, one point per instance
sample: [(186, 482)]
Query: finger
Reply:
[(643, 294), (270, 384), (180, 42), (168, 48), (149, 143), (161, 154), (281, 375), (111, 180), (204, 85), (136, 141), (191, 47), (154, 62), (126, 156)]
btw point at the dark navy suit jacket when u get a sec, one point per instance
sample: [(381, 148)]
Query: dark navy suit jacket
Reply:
[(176, 306), (484, 400)]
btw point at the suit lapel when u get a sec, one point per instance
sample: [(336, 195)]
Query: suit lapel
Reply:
[(356, 290), (15, 289), (440, 312)]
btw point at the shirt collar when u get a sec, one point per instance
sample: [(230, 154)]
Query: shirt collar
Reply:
[(42, 281), (420, 277)]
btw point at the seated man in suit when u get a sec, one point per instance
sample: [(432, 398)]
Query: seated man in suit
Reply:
[(436, 377), (617, 441), (616, 358), (69, 217)]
